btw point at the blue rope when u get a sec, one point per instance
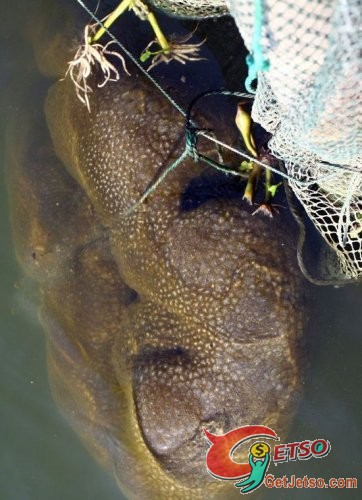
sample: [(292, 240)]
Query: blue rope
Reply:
[(256, 61)]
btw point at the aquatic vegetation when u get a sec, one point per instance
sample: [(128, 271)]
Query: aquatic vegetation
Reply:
[(91, 56), (244, 123), (174, 50)]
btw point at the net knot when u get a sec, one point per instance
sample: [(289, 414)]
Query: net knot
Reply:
[(191, 134)]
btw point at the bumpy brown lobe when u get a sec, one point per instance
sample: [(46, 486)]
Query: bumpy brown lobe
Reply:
[(164, 321), (44, 199)]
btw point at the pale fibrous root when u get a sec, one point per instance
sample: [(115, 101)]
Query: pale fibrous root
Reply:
[(88, 58), (177, 50)]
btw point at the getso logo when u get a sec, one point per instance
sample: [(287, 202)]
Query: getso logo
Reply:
[(251, 475)]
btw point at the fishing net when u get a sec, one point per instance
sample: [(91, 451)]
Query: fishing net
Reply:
[(195, 8), (308, 98)]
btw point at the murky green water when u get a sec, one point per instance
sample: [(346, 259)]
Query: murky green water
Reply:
[(41, 458)]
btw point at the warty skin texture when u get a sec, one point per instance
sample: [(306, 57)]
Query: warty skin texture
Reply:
[(164, 321)]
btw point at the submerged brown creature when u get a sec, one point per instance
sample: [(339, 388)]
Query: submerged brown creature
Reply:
[(167, 320)]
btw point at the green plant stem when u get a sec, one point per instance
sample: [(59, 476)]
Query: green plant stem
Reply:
[(162, 40), (268, 179), (252, 181), (110, 19)]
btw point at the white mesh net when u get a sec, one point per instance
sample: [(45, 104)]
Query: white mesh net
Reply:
[(195, 8), (310, 101)]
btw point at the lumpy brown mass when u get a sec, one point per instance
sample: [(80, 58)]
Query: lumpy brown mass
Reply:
[(173, 318)]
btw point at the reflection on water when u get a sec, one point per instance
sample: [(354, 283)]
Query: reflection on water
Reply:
[(40, 454)]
